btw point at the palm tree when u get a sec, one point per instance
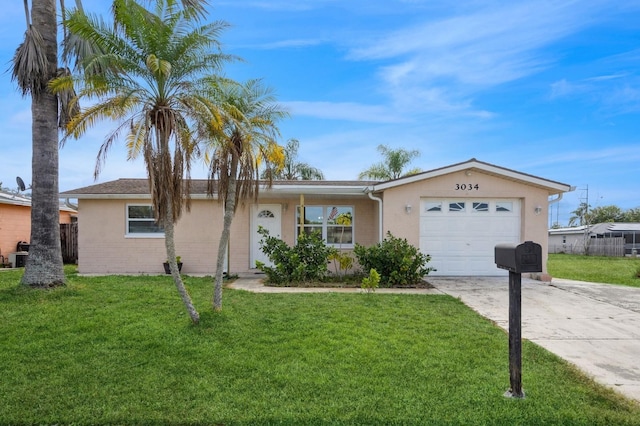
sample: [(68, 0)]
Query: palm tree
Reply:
[(154, 66), (581, 215), (394, 162), (245, 137), (292, 169), (35, 64)]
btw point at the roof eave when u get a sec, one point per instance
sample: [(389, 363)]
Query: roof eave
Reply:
[(551, 186)]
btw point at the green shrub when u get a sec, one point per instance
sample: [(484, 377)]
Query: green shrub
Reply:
[(371, 282), (306, 261), (398, 262)]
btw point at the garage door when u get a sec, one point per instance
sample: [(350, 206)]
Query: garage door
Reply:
[(460, 234)]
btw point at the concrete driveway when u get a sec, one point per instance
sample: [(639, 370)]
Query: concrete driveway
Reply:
[(594, 326)]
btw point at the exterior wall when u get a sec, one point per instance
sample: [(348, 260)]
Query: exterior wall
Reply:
[(15, 226), (403, 225), (104, 248), (65, 217), (570, 242)]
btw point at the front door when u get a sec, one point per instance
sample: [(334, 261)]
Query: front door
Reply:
[(269, 217)]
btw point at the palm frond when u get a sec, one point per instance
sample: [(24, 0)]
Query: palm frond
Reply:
[(68, 105), (30, 64)]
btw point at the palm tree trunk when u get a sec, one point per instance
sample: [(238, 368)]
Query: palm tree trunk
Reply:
[(229, 211), (169, 243), (44, 266)]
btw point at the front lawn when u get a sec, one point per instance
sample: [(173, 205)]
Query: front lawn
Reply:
[(596, 269), (121, 350)]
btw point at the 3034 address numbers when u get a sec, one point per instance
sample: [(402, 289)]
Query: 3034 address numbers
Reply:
[(467, 186)]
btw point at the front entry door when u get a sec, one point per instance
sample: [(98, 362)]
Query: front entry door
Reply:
[(268, 216)]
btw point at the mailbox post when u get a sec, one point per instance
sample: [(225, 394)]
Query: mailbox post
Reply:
[(525, 257)]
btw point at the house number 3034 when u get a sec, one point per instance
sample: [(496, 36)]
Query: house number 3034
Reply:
[(467, 186)]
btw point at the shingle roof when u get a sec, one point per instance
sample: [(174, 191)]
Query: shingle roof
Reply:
[(129, 187)]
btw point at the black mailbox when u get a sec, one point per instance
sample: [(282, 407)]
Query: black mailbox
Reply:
[(525, 257)]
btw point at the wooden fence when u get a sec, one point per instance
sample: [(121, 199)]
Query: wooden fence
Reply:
[(610, 246), (69, 242)]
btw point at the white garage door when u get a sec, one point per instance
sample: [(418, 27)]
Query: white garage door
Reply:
[(461, 234)]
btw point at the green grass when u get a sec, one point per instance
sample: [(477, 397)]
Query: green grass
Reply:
[(597, 269), (120, 350)]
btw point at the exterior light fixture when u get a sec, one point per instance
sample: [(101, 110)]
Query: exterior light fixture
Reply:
[(407, 208), (538, 209)]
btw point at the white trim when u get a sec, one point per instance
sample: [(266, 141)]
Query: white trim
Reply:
[(128, 234), (149, 235), (254, 238), (324, 226), (474, 164)]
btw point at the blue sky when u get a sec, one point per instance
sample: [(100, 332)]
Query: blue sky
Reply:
[(549, 88)]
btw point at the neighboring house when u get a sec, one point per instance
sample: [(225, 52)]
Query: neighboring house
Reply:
[(15, 221), (575, 239), (570, 240), (457, 214)]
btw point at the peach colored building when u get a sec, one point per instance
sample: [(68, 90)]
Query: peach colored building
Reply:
[(456, 214), (15, 221)]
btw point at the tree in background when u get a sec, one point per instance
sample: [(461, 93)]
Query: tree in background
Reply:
[(585, 215), (35, 64), (155, 65), (579, 216), (606, 214), (293, 169), (632, 215), (395, 160), (242, 137)]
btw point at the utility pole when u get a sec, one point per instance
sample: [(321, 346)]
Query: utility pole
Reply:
[(585, 220)]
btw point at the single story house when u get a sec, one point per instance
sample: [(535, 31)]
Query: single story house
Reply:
[(15, 222), (456, 214), (576, 239)]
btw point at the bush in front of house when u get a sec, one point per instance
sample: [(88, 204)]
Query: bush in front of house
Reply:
[(370, 283), (306, 261), (398, 262)]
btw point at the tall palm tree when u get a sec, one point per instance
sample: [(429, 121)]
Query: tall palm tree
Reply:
[(245, 137), (293, 169), (35, 64), (154, 65), (392, 167)]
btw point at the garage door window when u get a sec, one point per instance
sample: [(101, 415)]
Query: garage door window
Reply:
[(480, 207), (431, 207), (456, 207), (504, 206)]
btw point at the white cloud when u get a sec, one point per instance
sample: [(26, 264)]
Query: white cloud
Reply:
[(292, 43), (451, 59), (348, 111)]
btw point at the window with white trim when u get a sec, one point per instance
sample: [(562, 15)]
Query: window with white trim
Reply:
[(335, 224), (141, 221), (504, 206), (431, 206), (457, 206), (480, 206)]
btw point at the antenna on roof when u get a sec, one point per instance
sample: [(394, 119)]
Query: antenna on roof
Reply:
[(20, 183)]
